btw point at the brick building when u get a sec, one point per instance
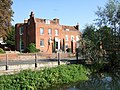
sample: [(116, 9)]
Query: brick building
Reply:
[(48, 35)]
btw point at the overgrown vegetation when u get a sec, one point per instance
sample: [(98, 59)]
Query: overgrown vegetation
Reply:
[(32, 49), (102, 44), (33, 80), (1, 51)]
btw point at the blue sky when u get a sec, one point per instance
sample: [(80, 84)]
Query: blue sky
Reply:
[(70, 12)]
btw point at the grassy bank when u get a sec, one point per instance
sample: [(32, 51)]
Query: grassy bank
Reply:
[(33, 80)]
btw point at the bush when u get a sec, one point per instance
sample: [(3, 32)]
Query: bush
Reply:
[(68, 50), (31, 48), (1, 50), (42, 79)]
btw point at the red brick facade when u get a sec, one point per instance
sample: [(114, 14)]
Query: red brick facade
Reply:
[(48, 35)]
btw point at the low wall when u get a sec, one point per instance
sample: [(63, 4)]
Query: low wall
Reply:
[(29, 56), (16, 68)]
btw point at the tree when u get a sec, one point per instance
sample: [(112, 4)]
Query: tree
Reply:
[(109, 16), (31, 48), (89, 44), (10, 41), (6, 14)]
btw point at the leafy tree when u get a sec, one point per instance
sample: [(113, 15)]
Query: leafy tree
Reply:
[(5, 17), (31, 48), (10, 41), (110, 16)]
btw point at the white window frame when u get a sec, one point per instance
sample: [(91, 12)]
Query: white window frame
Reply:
[(66, 37), (47, 21), (41, 42), (49, 31), (72, 37), (56, 32), (41, 31), (77, 38)]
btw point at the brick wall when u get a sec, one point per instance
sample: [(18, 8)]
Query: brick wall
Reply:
[(28, 56)]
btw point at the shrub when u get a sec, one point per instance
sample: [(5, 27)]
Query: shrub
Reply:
[(68, 50), (1, 50), (31, 48), (42, 79)]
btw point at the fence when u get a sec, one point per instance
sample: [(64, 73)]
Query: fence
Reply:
[(32, 61)]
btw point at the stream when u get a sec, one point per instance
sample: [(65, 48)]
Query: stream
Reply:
[(101, 81)]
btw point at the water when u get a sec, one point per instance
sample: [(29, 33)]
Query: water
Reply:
[(102, 81)]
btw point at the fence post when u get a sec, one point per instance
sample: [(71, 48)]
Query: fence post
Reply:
[(6, 61), (36, 60), (58, 58), (77, 55)]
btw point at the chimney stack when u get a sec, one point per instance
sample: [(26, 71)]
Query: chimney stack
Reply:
[(77, 26), (32, 14)]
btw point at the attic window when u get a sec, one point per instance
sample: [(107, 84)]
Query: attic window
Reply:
[(66, 29), (47, 21)]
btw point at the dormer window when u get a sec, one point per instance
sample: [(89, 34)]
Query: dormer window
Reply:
[(66, 29), (47, 21)]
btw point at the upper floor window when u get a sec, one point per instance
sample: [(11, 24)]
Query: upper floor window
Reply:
[(77, 38), (56, 32), (72, 37), (49, 31), (66, 36), (41, 42), (41, 31), (21, 29)]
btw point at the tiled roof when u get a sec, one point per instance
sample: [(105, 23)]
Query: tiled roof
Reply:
[(71, 28)]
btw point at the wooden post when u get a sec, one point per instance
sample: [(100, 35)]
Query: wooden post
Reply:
[(77, 57), (36, 60), (6, 61), (58, 58)]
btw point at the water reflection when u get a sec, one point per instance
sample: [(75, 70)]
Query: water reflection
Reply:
[(103, 81)]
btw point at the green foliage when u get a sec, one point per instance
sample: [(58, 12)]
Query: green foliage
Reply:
[(69, 50), (109, 15), (33, 80), (11, 36), (1, 50), (31, 48), (10, 41)]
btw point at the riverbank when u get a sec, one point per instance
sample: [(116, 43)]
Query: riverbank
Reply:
[(42, 79)]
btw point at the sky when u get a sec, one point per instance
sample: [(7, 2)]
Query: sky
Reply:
[(70, 12)]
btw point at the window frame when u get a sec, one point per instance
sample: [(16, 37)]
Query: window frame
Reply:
[(56, 32), (41, 31), (66, 38), (49, 31), (41, 42)]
